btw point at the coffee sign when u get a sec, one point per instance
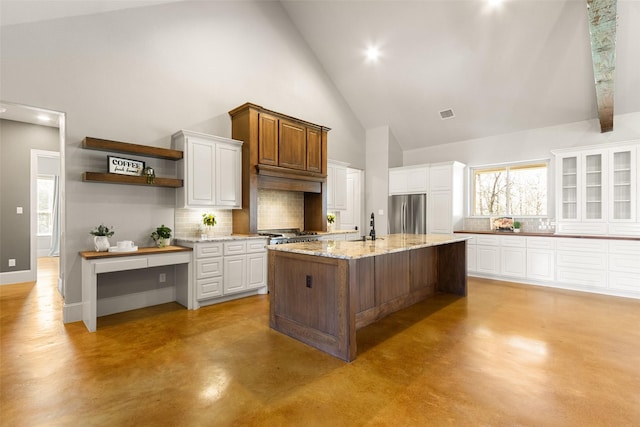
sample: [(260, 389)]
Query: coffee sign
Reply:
[(125, 166)]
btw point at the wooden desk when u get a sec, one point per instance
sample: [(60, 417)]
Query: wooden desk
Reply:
[(94, 263)]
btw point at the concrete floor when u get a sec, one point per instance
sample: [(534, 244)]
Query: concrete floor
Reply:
[(507, 355)]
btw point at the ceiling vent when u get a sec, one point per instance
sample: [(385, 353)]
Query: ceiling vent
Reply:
[(447, 114)]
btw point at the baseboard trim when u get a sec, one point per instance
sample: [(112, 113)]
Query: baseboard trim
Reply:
[(134, 301), (12, 277), (72, 312)]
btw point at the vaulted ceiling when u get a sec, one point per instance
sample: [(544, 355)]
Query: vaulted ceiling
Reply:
[(516, 66)]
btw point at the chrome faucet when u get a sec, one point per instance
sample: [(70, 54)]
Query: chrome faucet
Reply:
[(372, 223)]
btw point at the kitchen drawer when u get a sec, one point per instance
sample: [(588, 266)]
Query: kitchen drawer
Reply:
[(624, 247), (235, 247), (581, 245), (169, 259), (205, 250), (121, 264), (582, 277), (513, 241), (256, 245), (587, 260), (488, 240), (624, 281), (541, 243), (208, 288), (629, 263), (208, 268)]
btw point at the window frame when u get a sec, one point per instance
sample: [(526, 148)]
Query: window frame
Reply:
[(43, 177), (508, 166)]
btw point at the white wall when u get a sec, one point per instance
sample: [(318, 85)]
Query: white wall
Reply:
[(527, 145), (139, 75), (377, 178)]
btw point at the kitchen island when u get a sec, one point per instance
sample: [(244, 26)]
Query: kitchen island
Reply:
[(322, 292)]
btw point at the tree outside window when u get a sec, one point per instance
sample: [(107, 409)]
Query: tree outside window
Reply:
[(511, 190), (45, 204)]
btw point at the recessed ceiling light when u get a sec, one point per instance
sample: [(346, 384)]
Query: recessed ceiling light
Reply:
[(495, 3), (373, 53), (44, 118), (3, 110)]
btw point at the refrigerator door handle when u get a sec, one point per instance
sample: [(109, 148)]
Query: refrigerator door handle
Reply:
[(404, 217)]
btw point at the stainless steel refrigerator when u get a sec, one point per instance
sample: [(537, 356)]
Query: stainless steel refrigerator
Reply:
[(408, 214)]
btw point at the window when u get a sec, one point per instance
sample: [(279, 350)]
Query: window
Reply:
[(518, 189), (45, 204)]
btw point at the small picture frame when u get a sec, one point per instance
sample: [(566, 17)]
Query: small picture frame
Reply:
[(121, 166)]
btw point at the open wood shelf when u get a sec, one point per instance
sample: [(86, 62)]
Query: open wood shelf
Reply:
[(130, 179), (127, 148)]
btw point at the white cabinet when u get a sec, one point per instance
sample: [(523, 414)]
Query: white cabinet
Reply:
[(228, 269), (446, 197), (336, 185), (581, 262), (211, 171), (582, 196), (624, 265), (488, 254), (597, 190), (513, 256), (245, 264), (471, 252), (208, 272), (409, 180), (541, 258), (605, 266)]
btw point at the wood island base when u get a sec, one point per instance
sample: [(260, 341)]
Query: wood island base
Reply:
[(322, 300)]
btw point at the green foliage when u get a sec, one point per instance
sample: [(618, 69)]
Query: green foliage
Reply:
[(161, 232), (331, 218), (516, 224), (209, 219), (102, 230)]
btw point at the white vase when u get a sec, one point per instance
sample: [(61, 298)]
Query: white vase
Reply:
[(101, 243), (209, 230), (329, 227), (163, 242)]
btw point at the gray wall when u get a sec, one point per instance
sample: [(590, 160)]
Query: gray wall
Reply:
[(16, 141), (141, 74)]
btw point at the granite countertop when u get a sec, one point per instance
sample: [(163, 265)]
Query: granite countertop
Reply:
[(345, 249)]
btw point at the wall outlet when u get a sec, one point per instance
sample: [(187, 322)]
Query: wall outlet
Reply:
[(162, 278), (12, 262), (19, 210)]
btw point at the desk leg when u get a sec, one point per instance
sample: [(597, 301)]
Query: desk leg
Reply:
[(89, 295)]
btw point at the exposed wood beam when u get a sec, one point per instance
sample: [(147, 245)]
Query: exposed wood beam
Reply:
[(602, 30)]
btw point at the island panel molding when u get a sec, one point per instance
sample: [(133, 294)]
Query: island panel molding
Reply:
[(322, 292)]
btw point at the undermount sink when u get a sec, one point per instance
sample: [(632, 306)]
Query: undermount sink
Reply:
[(367, 239)]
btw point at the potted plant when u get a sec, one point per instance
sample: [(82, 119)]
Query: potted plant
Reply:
[(101, 236), (162, 236), (331, 218), (516, 226), (209, 220)]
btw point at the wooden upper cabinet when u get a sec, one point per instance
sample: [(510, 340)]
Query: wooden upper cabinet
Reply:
[(268, 139), (292, 150), (314, 150)]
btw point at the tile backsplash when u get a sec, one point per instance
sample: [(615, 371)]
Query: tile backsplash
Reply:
[(280, 209), (188, 222), (276, 209), (531, 225)]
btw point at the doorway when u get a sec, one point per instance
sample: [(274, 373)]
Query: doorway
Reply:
[(25, 129)]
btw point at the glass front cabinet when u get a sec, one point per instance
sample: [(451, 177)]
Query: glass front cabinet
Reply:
[(597, 190)]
